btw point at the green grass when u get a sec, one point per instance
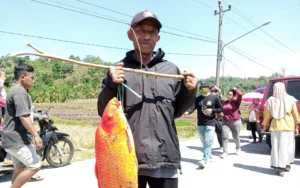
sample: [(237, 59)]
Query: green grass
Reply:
[(82, 133), (70, 122), (182, 123)]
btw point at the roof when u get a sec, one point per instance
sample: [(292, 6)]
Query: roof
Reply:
[(286, 78)]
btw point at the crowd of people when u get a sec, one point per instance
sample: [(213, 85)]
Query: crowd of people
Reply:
[(151, 117), (280, 118)]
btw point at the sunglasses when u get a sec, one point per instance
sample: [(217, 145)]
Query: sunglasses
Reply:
[(214, 91)]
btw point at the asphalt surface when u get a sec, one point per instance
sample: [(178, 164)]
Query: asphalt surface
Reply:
[(249, 169)]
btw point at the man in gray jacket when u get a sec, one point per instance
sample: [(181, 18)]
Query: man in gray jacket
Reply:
[(151, 117)]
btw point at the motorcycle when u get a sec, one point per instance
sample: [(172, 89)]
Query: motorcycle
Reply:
[(57, 149)]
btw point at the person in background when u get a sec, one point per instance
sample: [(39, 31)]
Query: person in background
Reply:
[(232, 120), (253, 111), (7, 159), (219, 117), (2, 78), (207, 105), (281, 110), (17, 124)]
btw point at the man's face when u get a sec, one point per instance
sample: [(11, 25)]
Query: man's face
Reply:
[(147, 36), (27, 80), (3, 76)]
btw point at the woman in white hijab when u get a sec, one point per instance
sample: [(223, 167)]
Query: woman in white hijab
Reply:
[(282, 115)]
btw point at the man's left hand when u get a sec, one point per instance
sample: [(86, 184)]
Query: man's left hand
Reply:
[(190, 80)]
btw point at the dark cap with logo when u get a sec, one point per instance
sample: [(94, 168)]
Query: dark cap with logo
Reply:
[(146, 15)]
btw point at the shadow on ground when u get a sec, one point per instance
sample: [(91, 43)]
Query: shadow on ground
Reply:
[(187, 160), (257, 148), (5, 176), (214, 151), (262, 170)]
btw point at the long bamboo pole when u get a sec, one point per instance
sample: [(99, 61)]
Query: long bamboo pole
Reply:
[(48, 56)]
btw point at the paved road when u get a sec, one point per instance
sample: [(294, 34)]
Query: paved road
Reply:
[(249, 169)]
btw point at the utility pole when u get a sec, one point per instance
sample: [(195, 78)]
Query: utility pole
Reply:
[(220, 43)]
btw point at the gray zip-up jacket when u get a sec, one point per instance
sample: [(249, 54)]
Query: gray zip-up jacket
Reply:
[(151, 117)]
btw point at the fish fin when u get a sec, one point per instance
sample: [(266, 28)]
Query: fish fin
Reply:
[(96, 174), (129, 139)]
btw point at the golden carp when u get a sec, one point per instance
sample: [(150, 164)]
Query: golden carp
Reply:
[(116, 163)]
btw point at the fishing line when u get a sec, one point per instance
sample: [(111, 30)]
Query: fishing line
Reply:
[(119, 95), (138, 45), (127, 87)]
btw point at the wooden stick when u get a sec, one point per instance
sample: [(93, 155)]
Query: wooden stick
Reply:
[(42, 54), (30, 45)]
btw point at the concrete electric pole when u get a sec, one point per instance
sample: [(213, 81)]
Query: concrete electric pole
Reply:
[(219, 58)]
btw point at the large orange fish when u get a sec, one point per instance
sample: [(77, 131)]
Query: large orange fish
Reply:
[(116, 164)]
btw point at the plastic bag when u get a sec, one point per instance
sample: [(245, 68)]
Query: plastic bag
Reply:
[(252, 116)]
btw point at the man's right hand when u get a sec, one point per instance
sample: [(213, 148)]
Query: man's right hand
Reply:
[(37, 141), (185, 114), (117, 73)]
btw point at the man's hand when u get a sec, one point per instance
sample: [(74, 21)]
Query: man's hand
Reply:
[(185, 114), (190, 80), (207, 112), (37, 141), (264, 129), (117, 73), (296, 131)]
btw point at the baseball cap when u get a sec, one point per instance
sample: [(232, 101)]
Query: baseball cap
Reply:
[(204, 84), (146, 15)]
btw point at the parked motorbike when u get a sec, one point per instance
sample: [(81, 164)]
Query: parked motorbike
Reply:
[(57, 149)]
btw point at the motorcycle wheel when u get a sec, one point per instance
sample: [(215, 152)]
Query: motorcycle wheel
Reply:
[(61, 153)]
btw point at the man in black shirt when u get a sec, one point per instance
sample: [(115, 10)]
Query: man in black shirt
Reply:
[(207, 106)]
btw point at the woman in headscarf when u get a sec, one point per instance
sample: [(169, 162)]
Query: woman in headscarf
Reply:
[(281, 111), (254, 120)]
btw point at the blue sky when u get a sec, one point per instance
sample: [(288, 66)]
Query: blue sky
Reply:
[(33, 18)]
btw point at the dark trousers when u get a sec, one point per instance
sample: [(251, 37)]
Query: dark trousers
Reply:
[(255, 128), (157, 182), (219, 131)]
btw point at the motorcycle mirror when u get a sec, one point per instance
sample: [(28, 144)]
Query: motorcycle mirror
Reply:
[(32, 107)]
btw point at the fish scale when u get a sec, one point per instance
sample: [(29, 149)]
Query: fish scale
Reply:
[(116, 164)]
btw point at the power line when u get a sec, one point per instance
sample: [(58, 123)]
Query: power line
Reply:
[(236, 66), (239, 13), (262, 30), (64, 4), (104, 8), (262, 14), (118, 21), (89, 44), (249, 54), (252, 60), (203, 4), (124, 14), (256, 35)]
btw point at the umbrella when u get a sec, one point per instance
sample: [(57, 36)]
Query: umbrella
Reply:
[(248, 97), (261, 90)]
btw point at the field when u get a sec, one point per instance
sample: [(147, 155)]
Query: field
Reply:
[(79, 119)]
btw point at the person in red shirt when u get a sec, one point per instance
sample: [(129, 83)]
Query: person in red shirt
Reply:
[(232, 120)]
